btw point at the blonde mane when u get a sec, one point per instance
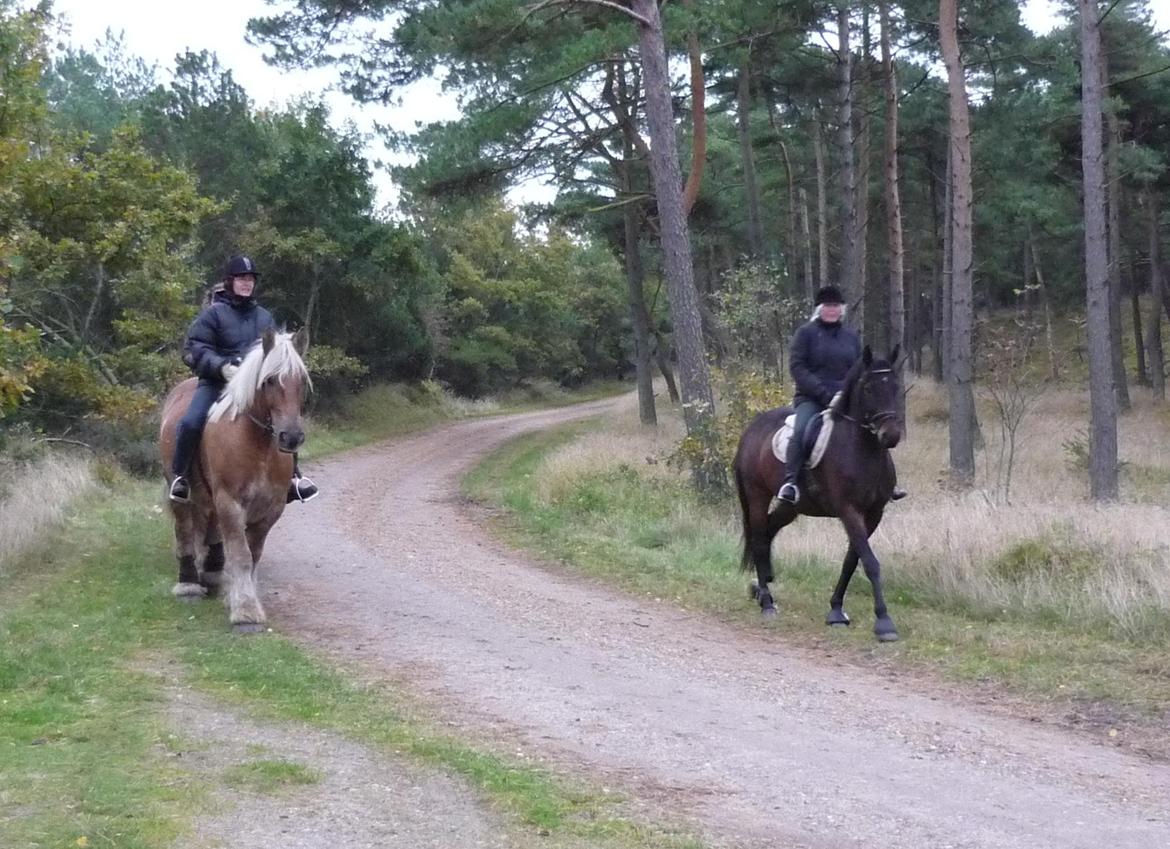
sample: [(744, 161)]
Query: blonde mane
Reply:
[(282, 361)]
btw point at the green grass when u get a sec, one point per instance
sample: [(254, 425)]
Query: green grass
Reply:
[(657, 539), (86, 753), (270, 777)]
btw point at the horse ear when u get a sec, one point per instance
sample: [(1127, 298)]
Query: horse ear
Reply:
[(867, 356), (300, 341), (267, 340), (894, 354)]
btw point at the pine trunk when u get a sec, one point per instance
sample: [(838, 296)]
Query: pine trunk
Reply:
[(743, 111), (1155, 358), (1113, 193), (894, 245), (697, 397), (850, 279), (1103, 485), (960, 373)]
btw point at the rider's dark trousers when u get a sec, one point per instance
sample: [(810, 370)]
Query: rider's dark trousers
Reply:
[(805, 410), (191, 426)]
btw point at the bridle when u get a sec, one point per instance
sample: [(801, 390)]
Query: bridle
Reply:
[(874, 421), (264, 426)]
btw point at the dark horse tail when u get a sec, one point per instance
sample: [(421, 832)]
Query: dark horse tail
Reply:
[(745, 558)]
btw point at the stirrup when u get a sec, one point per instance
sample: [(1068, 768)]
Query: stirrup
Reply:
[(301, 489), (779, 498), (180, 491)]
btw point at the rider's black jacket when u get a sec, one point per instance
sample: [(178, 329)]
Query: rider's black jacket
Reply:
[(821, 357), (223, 333)]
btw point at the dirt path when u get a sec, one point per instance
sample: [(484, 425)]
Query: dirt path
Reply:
[(752, 742)]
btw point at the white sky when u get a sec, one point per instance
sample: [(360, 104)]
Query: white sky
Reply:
[(158, 30)]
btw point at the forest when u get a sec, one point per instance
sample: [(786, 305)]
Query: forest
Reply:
[(989, 199)]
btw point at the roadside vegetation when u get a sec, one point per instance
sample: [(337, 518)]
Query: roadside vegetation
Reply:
[(87, 620), (1045, 597)]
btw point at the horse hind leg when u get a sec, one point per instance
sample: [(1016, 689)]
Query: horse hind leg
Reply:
[(188, 587), (763, 529)]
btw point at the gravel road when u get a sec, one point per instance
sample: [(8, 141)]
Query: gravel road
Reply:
[(749, 741)]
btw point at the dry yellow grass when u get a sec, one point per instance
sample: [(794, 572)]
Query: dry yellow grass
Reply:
[(37, 497), (1048, 549)]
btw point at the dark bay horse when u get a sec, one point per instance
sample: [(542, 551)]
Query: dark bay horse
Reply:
[(240, 476), (852, 483)]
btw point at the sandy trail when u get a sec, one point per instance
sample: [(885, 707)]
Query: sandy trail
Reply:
[(751, 742)]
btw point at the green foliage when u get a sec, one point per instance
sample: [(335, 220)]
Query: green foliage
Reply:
[(20, 364)]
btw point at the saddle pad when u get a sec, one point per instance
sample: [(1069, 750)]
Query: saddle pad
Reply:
[(781, 437)]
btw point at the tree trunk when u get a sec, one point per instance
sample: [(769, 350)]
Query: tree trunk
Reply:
[(1113, 193), (698, 119), (1155, 357), (1139, 345), (849, 278), (871, 308), (939, 270), (639, 320), (698, 399), (1053, 360), (960, 373), (806, 252), (793, 243), (894, 245), (743, 110), (822, 206), (1102, 401)]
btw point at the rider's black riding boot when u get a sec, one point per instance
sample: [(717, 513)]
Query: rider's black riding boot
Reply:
[(186, 441), (300, 488), (792, 465)]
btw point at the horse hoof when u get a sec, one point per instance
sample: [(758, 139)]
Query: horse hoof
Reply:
[(769, 613), (885, 631), (837, 618), (188, 592), (248, 627)]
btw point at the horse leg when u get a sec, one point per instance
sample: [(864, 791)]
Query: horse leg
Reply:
[(245, 611), (211, 575), (837, 615), (859, 530), (187, 588), (763, 529)]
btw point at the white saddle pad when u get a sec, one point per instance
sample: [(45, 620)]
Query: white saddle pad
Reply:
[(781, 437)]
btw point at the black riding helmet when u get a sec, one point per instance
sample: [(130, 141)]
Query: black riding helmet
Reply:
[(828, 295), (236, 266)]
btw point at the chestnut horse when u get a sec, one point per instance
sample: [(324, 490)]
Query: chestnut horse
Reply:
[(240, 475), (853, 483)]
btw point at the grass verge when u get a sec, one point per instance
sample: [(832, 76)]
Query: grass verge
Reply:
[(577, 498), (88, 759)]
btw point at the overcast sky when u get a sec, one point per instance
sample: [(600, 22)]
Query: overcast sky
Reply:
[(158, 31)]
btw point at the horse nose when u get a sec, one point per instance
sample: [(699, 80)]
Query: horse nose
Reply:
[(889, 436), (291, 440)]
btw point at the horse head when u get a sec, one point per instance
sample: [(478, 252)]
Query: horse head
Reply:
[(270, 388), (874, 399)]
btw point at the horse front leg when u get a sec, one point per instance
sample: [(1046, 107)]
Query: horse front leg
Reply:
[(837, 614), (859, 530), (245, 611), (211, 573)]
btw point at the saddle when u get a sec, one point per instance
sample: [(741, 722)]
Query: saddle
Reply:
[(816, 438)]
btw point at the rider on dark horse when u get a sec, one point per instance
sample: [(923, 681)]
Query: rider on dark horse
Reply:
[(217, 341), (823, 352)]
